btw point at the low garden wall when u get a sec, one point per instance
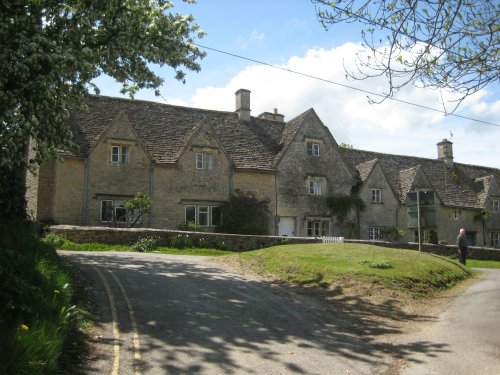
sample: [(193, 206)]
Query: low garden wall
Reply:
[(128, 236), (237, 242)]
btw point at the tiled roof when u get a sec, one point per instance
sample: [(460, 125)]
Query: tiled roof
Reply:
[(164, 130), (459, 186)]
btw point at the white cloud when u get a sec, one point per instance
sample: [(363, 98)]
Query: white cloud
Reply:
[(390, 127), (255, 36)]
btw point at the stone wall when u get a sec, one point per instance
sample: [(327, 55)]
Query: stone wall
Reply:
[(128, 236)]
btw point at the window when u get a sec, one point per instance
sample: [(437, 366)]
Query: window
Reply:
[(204, 161), (119, 154), (206, 216), (496, 206), (495, 239), (456, 214), (376, 196), (317, 228), (375, 233), (113, 211), (312, 149), (315, 185)]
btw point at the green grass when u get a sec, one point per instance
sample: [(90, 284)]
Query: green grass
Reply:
[(68, 245), (38, 314), (483, 263), (328, 264)]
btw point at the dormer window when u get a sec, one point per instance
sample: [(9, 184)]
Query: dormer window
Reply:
[(376, 196), (204, 161), (119, 154), (496, 206), (316, 185), (312, 148)]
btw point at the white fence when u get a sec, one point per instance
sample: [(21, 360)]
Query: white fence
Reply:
[(332, 239)]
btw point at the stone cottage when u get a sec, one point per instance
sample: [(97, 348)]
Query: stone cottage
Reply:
[(189, 161)]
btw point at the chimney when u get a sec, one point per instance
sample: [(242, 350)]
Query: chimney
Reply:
[(243, 104), (273, 116), (445, 152)]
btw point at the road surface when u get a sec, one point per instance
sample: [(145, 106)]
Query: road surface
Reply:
[(166, 314)]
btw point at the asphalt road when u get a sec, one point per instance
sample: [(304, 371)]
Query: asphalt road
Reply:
[(468, 333), (162, 314)]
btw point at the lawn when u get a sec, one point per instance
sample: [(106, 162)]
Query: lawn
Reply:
[(326, 265)]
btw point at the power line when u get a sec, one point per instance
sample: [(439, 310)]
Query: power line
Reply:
[(346, 86)]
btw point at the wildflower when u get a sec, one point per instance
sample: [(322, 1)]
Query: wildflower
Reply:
[(24, 327), (56, 291)]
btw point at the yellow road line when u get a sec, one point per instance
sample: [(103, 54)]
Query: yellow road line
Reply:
[(136, 340), (114, 317)]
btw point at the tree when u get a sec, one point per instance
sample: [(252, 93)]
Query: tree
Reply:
[(483, 216), (136, 207), (53, 50), (244, 214), (450, 45)]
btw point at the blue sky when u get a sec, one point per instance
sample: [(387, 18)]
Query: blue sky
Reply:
[(286, 33)]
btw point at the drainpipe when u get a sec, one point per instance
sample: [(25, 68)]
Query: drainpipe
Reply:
[(85, 190), (150, 214), (276, 203)]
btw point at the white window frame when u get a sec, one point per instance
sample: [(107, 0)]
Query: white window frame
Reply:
[(456, 214), (204, 161), (116, 207), (312, 149), (317, 228), (315, 185), (376, 195), (202, 211), (375, 234), (119, 154), (495, 206), (495, 239)]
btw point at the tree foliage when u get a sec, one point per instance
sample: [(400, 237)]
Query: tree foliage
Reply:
[(53, 50), (136, 207), (341, 205), (450, 45), (244, 214)]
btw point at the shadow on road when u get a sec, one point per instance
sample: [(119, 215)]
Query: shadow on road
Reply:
[(196, 317)]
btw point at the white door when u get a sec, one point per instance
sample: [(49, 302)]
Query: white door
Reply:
[(286, 226)]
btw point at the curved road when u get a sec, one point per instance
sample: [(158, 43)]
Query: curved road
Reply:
[(165, 314)]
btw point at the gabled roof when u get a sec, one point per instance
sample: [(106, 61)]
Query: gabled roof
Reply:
[(457, 187), (165, 130)]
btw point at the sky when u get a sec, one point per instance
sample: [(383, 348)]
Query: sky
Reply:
[(287, 34)]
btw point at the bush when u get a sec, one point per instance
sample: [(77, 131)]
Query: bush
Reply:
[(149, 243), (54, 239), (180, 241), (244, 214), (191, 226)]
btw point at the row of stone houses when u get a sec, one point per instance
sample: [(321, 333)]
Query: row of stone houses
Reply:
[(189, 161)]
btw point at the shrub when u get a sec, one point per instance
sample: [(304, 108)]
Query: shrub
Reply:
[(149, 243), (180, 241), (54, 239), (191, 226)]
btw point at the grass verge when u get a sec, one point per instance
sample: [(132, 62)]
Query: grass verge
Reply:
[(328, 265), (39, 316), (483, 263), (68, 245)]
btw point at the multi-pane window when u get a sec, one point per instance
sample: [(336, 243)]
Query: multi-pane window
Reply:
[(315, 185), (375, 233), (376, 195), (496, 205), (113, 211), (312, 149), (119, 154), (206, 216), (204, 161), (317, 228), (495, 239)]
